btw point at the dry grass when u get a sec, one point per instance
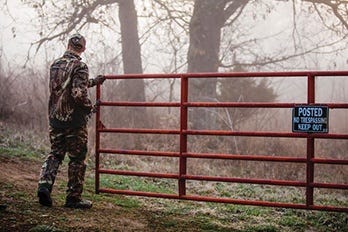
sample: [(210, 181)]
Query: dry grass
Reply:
[(20, 162)]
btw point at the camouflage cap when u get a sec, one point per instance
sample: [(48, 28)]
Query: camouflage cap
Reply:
[(77, 42)]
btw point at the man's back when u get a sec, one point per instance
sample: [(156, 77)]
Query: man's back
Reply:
[(68, 88)]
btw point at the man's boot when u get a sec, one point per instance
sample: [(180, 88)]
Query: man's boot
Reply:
[(47, 177), (78, 204), (76, 174), (44, 196)]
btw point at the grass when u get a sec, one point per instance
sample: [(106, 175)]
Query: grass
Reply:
[(27, 145), (136, 184), (123, 213)]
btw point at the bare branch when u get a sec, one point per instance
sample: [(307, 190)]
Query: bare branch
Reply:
[(278, 59), (81, 12), (171, 16), (335, 7), (237, 5)]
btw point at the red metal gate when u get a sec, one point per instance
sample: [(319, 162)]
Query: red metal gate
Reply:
[(184, 131)]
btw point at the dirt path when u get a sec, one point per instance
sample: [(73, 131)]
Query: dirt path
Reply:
[(22, 173), (20, 211)]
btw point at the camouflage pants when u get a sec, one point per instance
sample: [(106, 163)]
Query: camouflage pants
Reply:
[(74, 142)]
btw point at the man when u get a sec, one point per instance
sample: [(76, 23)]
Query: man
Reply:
[(69, 109)]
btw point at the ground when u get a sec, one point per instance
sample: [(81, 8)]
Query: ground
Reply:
[(20, 210), (20, 163)]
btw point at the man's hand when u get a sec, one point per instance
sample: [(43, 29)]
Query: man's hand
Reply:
[(95, 107), (99, 79)]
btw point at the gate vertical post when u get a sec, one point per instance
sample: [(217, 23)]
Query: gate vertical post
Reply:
[(97, 139), (310, 146), (183, 135)]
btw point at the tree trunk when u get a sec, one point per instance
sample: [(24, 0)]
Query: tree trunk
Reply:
[(133, 90), (203, 56)]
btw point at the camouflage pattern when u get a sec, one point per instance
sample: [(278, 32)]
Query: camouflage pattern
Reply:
[(74, 142), (69, 108), (76, 174), (69, 103)]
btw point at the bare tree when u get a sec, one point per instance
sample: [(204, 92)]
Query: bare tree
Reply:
[(186, 28), (134, 89), (327, 9), (83, 15), (203, 55), (6, 89)]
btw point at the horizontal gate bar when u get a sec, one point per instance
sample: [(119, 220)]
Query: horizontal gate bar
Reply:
[(223, 200), (138, 131), (220, 104), (149, 104), (329, 185), (230, 75), (137, 152), (259, 104), (329, 161), (224, 179), (204, 178), (264, 158), (225, 156), (245, 157), (142, 174), (264, 203), (139, 193), (240, 104), (246, 180), (266, 134), (224, 133)]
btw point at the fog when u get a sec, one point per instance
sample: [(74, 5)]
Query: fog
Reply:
[(180, 36), (257, 36), (275, 27)]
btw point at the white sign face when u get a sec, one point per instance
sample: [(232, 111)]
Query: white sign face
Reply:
[(310, 119)]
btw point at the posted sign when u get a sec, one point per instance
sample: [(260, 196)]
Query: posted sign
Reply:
[(310, 119)]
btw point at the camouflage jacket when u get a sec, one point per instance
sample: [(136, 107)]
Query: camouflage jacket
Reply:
[(69, 104)]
